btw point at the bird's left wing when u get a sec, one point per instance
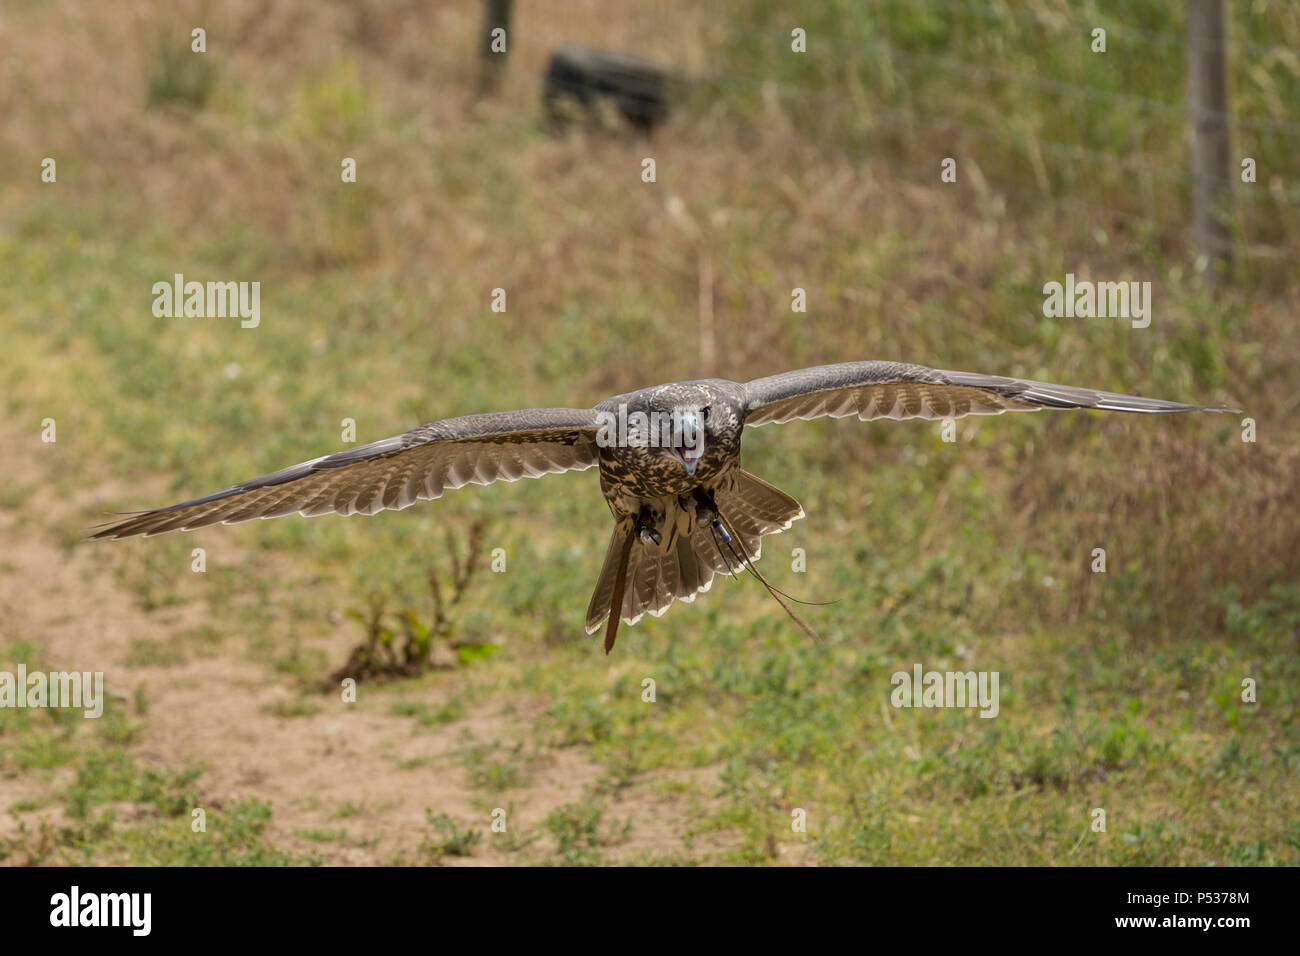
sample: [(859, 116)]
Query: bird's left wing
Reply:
[(393, 473), (897, 390)]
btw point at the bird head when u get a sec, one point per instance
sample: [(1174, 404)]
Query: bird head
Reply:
[(674, 429), (680, 423), (689, 419), (688, 435)]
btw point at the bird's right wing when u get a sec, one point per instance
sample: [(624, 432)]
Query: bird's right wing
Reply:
[(393, 473), (897, 390)]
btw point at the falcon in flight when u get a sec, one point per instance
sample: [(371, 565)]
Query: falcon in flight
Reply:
[(669, 457)]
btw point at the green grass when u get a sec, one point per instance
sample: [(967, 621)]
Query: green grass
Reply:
[(580, 830), (452, 839), (114, 809)]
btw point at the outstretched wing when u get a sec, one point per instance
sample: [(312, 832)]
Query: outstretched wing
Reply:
[(393, 473), (897, 390)]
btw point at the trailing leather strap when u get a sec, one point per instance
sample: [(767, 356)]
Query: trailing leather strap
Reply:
[(616, 602)]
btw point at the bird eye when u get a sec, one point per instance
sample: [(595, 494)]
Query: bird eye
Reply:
[(704, 414)]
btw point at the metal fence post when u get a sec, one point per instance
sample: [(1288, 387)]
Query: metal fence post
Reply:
[(496, 15), (1207, 95)]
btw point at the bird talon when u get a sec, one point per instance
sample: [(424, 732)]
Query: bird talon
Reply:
[(651, 536), (706, 512)]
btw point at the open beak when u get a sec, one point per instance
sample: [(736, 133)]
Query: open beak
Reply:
[(688, 441)]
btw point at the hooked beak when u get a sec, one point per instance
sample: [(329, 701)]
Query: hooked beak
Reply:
[(688, 441)]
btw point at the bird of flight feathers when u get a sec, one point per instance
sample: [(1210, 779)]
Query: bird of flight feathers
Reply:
[(669, 460)]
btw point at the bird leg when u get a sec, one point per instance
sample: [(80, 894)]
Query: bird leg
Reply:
[(645, 527), (706, 513)]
